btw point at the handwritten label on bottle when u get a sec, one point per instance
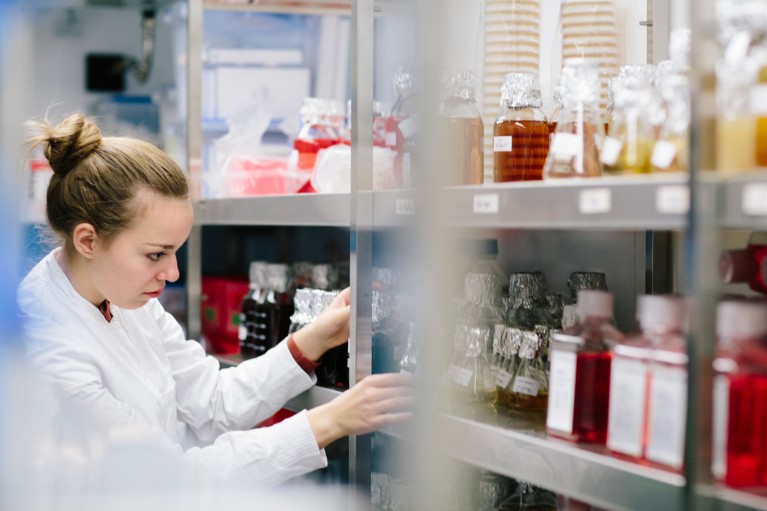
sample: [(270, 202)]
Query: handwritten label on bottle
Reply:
[(672, 199), (595, 201), (663, 154), (627, 400), (404, 206), (487, 204), (755, 199), (611, 149), (526, 386), (502, 378), (561, 391), (459, 375), (502, 144), (564, 146), (667, 412), (719, 426)]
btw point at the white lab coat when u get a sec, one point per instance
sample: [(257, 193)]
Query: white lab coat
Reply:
[(137, 376)]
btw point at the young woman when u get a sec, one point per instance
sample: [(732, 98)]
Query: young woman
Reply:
[(95, 328)]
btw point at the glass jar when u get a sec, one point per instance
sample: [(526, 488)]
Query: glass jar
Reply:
[(627, 147), (316, 132), (521, 131), (250, 336), (671, 152), (575, 145), (463, 128)]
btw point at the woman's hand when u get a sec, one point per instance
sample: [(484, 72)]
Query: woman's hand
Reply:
[(330, 329), (376, 401)]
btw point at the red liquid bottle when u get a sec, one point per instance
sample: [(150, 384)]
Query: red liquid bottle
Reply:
[(747, 265), (739, 457), (316, 131), (579, 386)]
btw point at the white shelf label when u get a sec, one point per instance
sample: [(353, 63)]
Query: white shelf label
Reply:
[(719, 426), (526, 386), (663, 154), (561, 391), (672, 199), (595, 201), (459, 375), (404, 206), (611, 149), (502, 144), (755, 199), (487, 204), (667, 411), (628, 385)]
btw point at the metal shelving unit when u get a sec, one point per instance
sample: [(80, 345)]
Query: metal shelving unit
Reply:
[(302, 209), (743, 201)]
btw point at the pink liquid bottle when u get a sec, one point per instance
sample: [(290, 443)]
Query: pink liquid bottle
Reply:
[(739, 457), (747, 265), (579, 384)]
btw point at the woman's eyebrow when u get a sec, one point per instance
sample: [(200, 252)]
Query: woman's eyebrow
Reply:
[(160, 245)]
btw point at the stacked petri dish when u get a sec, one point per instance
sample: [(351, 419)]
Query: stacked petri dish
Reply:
[(588, 31), (511, 44)]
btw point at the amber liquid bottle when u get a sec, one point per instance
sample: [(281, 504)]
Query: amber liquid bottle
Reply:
[(463, 129), (521, 131)]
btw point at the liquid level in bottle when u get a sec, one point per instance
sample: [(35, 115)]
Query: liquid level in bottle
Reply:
[(746, 425), (592, 396), (464, 142), (736, 144), (537, 403), (529, 147)]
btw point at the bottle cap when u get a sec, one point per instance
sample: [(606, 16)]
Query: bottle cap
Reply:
[(278, 277), (661, 311), (737, 319), (458, 84), (594, 304), (527, 288), (736, 266), (258, 273), (404, 85), (579, 280)]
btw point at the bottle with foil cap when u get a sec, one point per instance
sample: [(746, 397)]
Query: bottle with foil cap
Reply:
[(529, 498), (324, 276), (269, 318), (529, 322), (575, 145), (333, 372), (302, 309), (401, 125), (469, 374), (521, 131), (577, 281), (409, 361), (671, 150), (579, 388), (559, 104), (626, 148), (463, 128), (740, 394), (249, 334)]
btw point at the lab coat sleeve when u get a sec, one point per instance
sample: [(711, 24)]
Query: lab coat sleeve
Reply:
[(212, 401), (265, 456)]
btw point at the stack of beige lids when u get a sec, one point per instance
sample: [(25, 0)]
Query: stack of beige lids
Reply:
[(512, 43), (588, 31)]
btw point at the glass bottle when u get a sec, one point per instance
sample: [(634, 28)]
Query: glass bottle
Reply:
[(556, 96), (272, 315), (464, 129), (333, 372), (249, 334), (529, 498), (521, 131), (575, 145), (577, 281), (740, 394), (579, 390), (470, 374), (670, 152), (402, 125), (484, 258), (529, 324), (747, 265), (626, 149), (315, 133)]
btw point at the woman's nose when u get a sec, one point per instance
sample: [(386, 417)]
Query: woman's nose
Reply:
[(171, 273)]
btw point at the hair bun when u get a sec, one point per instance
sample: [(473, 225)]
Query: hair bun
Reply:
[(67, 144)]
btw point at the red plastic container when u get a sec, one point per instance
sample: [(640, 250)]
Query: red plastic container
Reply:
[(220, 313)]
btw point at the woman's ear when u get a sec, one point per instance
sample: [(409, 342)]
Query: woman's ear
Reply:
[(84, 239)]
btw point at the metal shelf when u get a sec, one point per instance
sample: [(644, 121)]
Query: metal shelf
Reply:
[(728, 499), (743, 201), (340, 7), (313, 397), (315, 209), (516, 445)]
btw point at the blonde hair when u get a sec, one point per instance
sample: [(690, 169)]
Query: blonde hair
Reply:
[(96, 179)]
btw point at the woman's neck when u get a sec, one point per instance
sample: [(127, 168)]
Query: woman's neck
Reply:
[(76, 269)]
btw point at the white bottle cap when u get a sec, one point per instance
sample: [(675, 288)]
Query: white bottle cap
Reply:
[(661, 311), (594, 304), (736, 319)]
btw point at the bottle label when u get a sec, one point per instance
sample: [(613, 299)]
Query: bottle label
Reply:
[(502, 378), (611, 149), (757, 99), (564, 146), (408, 127), (663, 154), (242, 331), (459, 375), (667, 412), (628, 378), (561, 391), (526, 386), (502, 144), (719, 426)]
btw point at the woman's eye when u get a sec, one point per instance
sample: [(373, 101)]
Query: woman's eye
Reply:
[(156, 256)]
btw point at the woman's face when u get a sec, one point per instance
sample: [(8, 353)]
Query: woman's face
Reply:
[(134, 267)]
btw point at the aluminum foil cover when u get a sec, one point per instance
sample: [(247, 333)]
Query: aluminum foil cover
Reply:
[(321, 299), (382, 307), (580, 81), (585, 280), (302, 304), (410, 358), (258, 273), (279, 277), (527, 290), (324, 276), (557, 93), (458, 84), (520, 90), (482, 289), (478, 337), (499, 338), (404, 82)]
